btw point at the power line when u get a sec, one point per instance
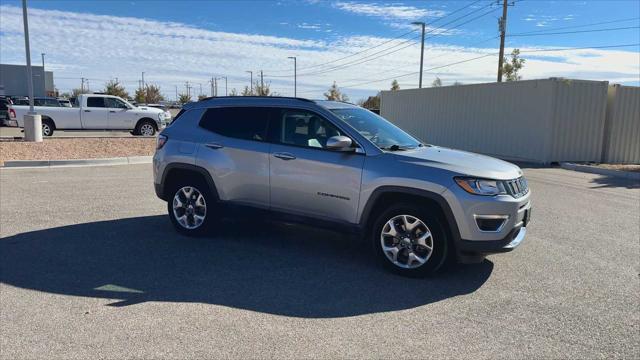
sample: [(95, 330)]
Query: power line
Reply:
[(372, 56), (580, 26), (493, 54), (576, 31), (387, 41)]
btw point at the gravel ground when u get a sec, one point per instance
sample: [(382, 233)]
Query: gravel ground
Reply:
[(60, 149), (90, 268), (620, 167)]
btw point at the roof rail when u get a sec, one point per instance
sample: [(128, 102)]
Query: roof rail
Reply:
[(254, 96)]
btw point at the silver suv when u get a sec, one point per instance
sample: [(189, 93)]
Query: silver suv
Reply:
[(338, 164)]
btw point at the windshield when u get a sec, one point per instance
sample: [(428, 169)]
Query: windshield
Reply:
[(379, 131)]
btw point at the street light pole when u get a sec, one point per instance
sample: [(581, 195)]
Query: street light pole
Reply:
[(32, 121), (251, 72), (295, 75), (422, 24), (44, 76)]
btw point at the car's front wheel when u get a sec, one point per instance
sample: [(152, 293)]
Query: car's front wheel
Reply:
[(410, 240), (191, 208)]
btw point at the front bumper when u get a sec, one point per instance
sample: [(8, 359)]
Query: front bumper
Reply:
[(510, 242)]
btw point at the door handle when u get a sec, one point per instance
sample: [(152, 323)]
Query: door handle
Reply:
[(111, 111), (214, 146), (87, 111), (284, 156)]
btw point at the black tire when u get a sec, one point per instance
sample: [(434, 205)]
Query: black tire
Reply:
[(139, 128), (439, 240), (47, 127), (209, 199)]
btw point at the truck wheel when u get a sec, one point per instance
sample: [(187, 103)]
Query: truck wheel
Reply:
[(146, 128), (410, 240), (47, 127), (191, 207)]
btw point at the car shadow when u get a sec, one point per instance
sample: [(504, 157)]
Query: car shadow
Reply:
[(277, 269), (607, 181)]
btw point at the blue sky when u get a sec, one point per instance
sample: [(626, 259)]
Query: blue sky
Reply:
[(179, 41)]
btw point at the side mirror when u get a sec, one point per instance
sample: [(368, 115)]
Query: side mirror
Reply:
[(340, 143)]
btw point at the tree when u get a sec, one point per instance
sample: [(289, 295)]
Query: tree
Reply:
[(511, 68), (437, 82), (395, 86), (140, 96), (66, 95), (372, 102), (153, 95), (201, 97), (150, 94), (263, 90), (247, 91), (457, 83), (233, 92), (184, 98), (114, 88), (335, 94), (76, 92)]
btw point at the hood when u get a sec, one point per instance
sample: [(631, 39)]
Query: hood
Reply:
[(149, 109), (461, 162)]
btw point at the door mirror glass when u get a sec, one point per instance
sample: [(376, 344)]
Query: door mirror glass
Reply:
[(340, 143)]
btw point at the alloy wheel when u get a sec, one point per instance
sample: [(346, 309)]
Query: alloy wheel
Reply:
[(146, 129), (189, 207), (406, 241)]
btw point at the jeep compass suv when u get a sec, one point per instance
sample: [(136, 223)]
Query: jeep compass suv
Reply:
[(337, 163)]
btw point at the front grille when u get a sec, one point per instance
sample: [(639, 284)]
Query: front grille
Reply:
[(517, 187)]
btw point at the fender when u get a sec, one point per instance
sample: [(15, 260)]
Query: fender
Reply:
[(160, 189), (439, 199)]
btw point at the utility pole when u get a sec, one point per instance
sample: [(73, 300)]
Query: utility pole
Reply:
[(251, 72), (32, 121), (176, 93), (186, 84), (200, 90), (215, 86), (422, 24), (295, 75), (143, 86), (225, 87), (502, 24), (261, 83), (82, 85)]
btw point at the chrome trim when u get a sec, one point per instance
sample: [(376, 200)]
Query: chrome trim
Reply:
[(491, 217)]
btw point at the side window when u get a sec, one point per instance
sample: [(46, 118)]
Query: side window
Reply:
[(248, 123), (115, 103), (52, 102), (95, 102), (301, 128)]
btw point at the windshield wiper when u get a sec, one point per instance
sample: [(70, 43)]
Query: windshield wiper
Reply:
[(396, 147)]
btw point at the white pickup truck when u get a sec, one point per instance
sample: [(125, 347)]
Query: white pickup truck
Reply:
[(96, 112)]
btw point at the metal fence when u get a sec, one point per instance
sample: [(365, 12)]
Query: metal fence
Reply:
[(622, 125), (542, 121)]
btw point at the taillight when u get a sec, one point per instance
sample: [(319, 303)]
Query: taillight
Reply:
[(12, 113), (160, 141)]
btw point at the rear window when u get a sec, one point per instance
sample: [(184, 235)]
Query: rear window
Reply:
[(248, 123), (96, 102)]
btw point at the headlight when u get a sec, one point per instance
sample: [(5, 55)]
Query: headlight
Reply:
[(161, 116), (481, 186)]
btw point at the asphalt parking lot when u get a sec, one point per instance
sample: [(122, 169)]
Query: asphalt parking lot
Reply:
[(91, 268)]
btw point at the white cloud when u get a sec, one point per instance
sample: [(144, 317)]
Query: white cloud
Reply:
[(103, 47), (387, 11)]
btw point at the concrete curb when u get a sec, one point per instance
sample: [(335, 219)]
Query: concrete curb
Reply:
[(596, 170), (23, 164)]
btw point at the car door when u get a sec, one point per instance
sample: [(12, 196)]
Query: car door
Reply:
[(95, 115), (306, 178), (235, 152), (120, 115)]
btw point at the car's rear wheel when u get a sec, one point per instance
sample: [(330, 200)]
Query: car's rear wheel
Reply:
[(410, 240), (190, 207)]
